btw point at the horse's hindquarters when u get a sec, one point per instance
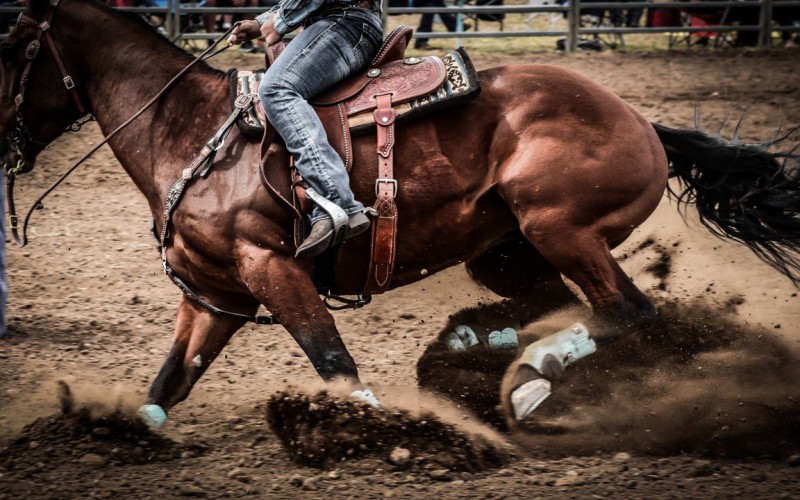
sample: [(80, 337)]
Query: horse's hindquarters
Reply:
[(583, 159)]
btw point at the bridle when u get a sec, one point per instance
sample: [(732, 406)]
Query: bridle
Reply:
[(21, 136), (32, 50), (44, 30), (17, 139)]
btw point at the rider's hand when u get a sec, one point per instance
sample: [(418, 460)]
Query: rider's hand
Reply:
[(246, 30), (268, 30)]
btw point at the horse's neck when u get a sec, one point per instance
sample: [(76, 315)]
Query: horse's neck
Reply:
[(123, 77)]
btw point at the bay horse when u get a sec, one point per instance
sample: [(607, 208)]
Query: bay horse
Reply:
[(540, 176)]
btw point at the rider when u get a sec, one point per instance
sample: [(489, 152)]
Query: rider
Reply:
[(340, 38)]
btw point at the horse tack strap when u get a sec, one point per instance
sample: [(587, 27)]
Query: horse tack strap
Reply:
[(174, 196), (205, 157), (384, 228), (45, 29)]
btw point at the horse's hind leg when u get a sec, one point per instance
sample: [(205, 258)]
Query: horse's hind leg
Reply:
[(515, 269), (531, 287), (200, 336), (619, 309)]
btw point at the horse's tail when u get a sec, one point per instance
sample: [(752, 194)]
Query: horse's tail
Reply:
[(743, 192)]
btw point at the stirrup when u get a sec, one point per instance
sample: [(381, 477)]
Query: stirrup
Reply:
[(338, 216)]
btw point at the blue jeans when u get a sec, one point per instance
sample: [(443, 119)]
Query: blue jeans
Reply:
[(330, 48)]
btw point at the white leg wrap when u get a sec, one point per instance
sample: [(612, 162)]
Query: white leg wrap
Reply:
[(566, 346), (366, 396), (467, 336), (461, 339), (454, 343)]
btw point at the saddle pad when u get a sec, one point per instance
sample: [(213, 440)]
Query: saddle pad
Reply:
[(460, 84)]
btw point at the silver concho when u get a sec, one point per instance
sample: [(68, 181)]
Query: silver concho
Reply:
[(373, 73), (413, 60), (32, 49)]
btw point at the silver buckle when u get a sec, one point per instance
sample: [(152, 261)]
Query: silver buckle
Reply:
[(68, 82), (380, 180), (244, 101)]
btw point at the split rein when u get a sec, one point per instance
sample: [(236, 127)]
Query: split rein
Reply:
[(22, 131)]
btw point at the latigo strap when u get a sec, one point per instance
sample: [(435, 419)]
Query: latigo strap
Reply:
[(384, 228)]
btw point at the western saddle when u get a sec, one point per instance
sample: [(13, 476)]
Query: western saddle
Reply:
[(372, 98)]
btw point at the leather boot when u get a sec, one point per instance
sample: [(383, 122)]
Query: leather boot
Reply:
[(321, 236)]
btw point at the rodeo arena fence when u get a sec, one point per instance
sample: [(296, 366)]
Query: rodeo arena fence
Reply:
[(586, 23)]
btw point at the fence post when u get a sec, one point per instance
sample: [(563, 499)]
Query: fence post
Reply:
[(176, 19), (765, 22), (168, 22), (573, 24)]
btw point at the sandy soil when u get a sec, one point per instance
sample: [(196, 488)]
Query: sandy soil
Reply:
[(704, 404)]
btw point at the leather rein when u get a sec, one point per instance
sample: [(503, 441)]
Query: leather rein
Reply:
[(204, 159), (21, 136)]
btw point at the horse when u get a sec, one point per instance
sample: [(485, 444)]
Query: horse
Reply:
[(536, 179)]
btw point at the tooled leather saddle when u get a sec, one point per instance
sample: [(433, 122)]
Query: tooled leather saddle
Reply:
[(391, 90)]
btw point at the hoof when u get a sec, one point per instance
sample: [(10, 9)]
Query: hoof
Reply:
[(504, 339), (366, 396), (153, 416), (527, 397)]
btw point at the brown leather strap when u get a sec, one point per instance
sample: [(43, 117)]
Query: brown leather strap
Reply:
[(45, 28), (69, 83), (266, 141), (384, 228)]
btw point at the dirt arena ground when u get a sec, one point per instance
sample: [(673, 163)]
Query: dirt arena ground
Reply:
[(704, 404)]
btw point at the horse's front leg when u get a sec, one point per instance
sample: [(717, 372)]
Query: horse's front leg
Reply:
[(200, 336), (283, 285)]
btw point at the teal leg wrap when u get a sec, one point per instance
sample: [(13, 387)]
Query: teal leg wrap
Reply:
[(366, 396), (152, 415), (566, 346), (503, 339), (461, 339)]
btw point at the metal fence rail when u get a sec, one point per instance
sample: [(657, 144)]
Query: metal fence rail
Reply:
[(173, 12)]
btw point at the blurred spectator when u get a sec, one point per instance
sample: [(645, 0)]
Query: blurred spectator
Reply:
[(628, 18), (745, 16), (617, 17), (787, 16), (426, 22)]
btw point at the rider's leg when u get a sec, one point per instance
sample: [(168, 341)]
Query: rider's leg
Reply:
[(326, 52)]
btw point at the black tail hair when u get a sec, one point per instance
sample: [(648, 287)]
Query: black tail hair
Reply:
[(743, 192)]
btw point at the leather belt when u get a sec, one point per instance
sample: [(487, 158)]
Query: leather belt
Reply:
[(336, 6)]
